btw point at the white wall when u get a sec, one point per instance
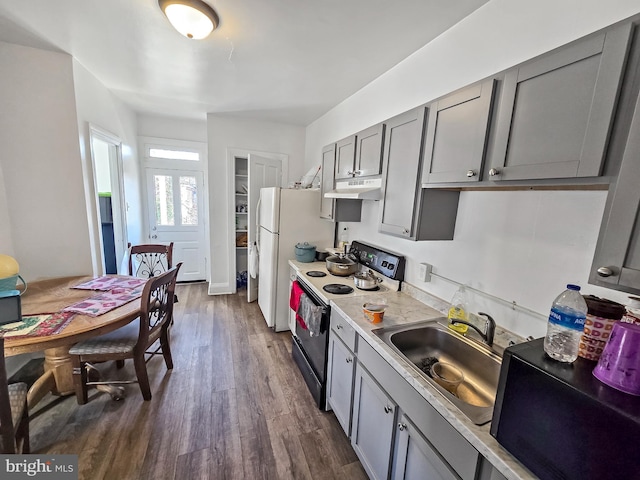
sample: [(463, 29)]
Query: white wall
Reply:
[(41, 164), (6, 243), (97, 106), (229, 132), (520, 246), (173, 128)]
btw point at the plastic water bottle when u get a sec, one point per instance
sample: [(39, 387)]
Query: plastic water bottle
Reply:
[(566, 322)]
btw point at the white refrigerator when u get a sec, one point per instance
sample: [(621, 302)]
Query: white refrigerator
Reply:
[(285, 217)]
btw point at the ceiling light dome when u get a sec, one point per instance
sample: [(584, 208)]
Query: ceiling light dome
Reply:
[(192, 18)]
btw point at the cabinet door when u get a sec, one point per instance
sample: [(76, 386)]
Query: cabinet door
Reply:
[(414, 458), (556, 112), (401, 164), (327, 205), (456, 137), (345, 157), (616, 263), (372, 425), (341, 367), (369, 151)]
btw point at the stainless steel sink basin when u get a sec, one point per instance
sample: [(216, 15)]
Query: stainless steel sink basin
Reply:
[(421, 342)]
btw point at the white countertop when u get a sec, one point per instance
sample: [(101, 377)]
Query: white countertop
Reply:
[(404, 309)]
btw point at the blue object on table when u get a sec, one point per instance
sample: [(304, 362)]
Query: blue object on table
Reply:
[(10, 306)]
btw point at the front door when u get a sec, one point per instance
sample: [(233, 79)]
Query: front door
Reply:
[(175, 203)]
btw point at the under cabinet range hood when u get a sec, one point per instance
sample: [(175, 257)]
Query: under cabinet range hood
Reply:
[(355, 189)]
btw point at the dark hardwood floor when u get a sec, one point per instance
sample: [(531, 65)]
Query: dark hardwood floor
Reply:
[(234, 406)]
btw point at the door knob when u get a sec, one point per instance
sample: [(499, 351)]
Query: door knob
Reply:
[(605, 271)]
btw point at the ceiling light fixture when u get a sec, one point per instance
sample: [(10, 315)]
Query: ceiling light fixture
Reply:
[(192, 18)]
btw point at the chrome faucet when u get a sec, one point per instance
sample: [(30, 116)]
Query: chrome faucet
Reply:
[(489, 327)]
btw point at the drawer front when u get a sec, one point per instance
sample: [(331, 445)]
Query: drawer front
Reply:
[(343, 329)]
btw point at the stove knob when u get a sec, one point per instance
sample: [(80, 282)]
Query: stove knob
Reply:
[(391, 266), (385, 264)]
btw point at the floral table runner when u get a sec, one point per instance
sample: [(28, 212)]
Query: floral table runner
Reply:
[(106, 301), (37, 325), (106, 283)]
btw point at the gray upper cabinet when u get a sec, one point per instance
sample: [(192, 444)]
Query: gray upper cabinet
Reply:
[(457, 134), (345, 157), (330, 208), (327, 181), (369, 151), (555, 113), (406, 210), (401, 165), (616, 262)]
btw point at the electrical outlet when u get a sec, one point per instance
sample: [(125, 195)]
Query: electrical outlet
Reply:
[(424, 272)]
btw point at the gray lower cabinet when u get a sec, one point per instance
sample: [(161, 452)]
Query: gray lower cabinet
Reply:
[(449, 448), (372, 425), (341, 370), (414, 458), (345, 157), (406, 210), (555, 113), (394, 431), (616, 262), (456, 135)]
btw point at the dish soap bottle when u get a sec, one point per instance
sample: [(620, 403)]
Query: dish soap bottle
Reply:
[(459, 311)]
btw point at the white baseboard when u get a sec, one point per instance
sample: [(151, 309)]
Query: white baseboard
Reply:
[(220, 289)]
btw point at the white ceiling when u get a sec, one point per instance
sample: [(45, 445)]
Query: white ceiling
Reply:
[(287, 61)]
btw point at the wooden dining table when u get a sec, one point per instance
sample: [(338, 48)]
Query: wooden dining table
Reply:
[(51, 296)]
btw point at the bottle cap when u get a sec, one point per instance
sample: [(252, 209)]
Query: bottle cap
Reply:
[(571, 286)]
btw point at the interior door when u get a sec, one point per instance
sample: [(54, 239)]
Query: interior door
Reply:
[(175, 204), (263, 172)]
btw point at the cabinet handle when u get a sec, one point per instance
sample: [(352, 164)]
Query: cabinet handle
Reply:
[(471, 173), (493, 172), (349, 360), (357, 172), (338, 327), (388, 409), (405, 231), (402, 426), (605, 271)]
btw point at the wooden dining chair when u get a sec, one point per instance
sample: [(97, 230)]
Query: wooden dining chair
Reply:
[(150, 260), (131, 341), (14, 414)]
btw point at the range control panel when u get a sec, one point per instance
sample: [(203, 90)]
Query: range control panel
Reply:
[(388, 263)]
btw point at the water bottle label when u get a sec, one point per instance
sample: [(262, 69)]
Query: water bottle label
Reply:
[(567, 319)]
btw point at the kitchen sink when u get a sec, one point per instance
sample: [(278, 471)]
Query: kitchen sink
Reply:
[(423, 343)]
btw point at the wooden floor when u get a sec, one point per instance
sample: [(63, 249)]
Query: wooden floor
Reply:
[(234, 407)]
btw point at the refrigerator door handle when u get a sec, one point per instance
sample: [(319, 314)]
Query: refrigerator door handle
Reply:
[(257, 241)]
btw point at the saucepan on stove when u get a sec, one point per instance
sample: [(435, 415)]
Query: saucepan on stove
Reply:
[(342, 266), (366, 280)]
